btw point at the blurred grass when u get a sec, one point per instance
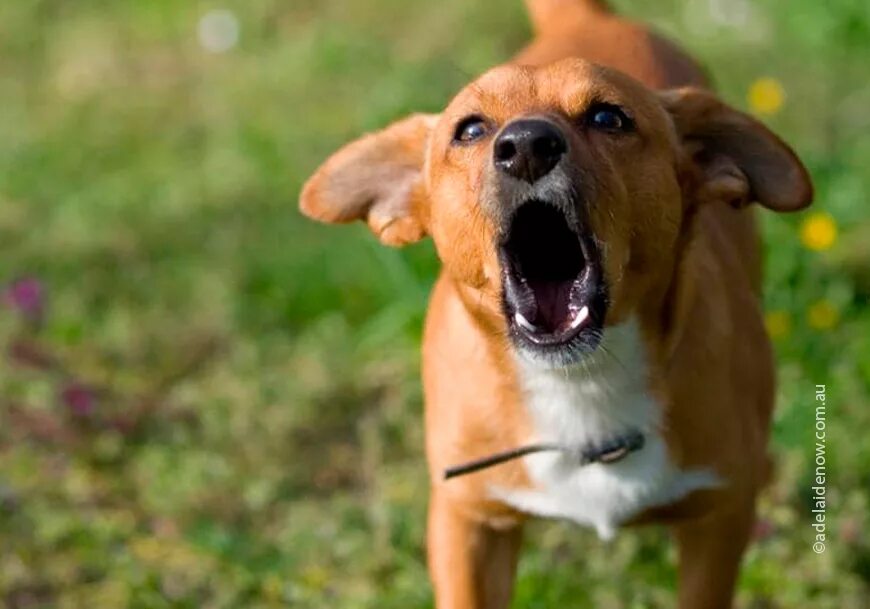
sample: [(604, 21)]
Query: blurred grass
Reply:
[(255, 434)]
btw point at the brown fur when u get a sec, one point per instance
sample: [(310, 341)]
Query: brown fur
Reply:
[(682, 257)]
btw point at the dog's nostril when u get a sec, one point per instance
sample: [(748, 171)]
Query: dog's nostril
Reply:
[(548, 147), (505, 150)]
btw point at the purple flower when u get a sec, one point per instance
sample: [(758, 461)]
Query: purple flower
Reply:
[(27, 296), (79, 399)]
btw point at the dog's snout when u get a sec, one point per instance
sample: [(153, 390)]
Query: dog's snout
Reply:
[(528, 149)]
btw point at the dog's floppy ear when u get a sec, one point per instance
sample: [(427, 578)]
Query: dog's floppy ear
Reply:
[(739, 160), (377, 178)]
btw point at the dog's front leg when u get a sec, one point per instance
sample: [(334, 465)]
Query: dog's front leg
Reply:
[(472, 564), (710, 550)]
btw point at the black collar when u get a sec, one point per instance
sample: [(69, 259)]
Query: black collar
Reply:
[(611, 451)]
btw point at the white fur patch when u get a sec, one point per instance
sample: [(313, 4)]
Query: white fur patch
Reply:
[(602, 397)]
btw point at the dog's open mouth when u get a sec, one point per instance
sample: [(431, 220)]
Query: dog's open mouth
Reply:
[(553, 293)]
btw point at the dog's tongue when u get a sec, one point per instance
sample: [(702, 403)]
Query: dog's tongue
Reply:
[(551, 298)]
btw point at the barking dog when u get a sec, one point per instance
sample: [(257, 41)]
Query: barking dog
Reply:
[(594, 347)]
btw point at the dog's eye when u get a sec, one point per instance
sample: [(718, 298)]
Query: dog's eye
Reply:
[(470, 129), (608, 117)]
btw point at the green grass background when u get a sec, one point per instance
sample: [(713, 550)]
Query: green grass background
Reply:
[(256, 436)]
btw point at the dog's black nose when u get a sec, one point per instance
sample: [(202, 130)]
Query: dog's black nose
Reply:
[(528, 149)]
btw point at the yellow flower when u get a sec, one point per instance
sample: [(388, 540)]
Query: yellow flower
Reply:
[(766, 96), (778, 324), (823, 315), (818, 232)]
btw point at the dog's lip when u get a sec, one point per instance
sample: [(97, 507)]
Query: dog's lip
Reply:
[(581, 314), (564, 279)]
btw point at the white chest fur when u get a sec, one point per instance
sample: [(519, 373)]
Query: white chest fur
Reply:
[(603, 397)]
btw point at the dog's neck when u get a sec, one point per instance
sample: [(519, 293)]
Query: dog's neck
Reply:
[(607, 395), (608, 390)]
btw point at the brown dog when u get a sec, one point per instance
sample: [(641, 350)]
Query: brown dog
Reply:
[(598, 308)]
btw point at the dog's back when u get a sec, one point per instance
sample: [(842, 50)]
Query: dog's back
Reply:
[(588, 29)]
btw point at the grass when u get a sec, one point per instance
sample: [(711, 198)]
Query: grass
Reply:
[(218, 405)]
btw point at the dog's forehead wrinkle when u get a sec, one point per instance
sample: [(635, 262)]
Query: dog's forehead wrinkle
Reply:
[(572, 84), (502, 91), (583, 93), (479, 92)]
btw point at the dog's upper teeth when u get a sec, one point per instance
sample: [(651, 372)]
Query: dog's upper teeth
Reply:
[(525, 323), (580, 317)]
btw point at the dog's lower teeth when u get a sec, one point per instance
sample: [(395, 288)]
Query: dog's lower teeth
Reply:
[(525, 323), (580, 318)]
